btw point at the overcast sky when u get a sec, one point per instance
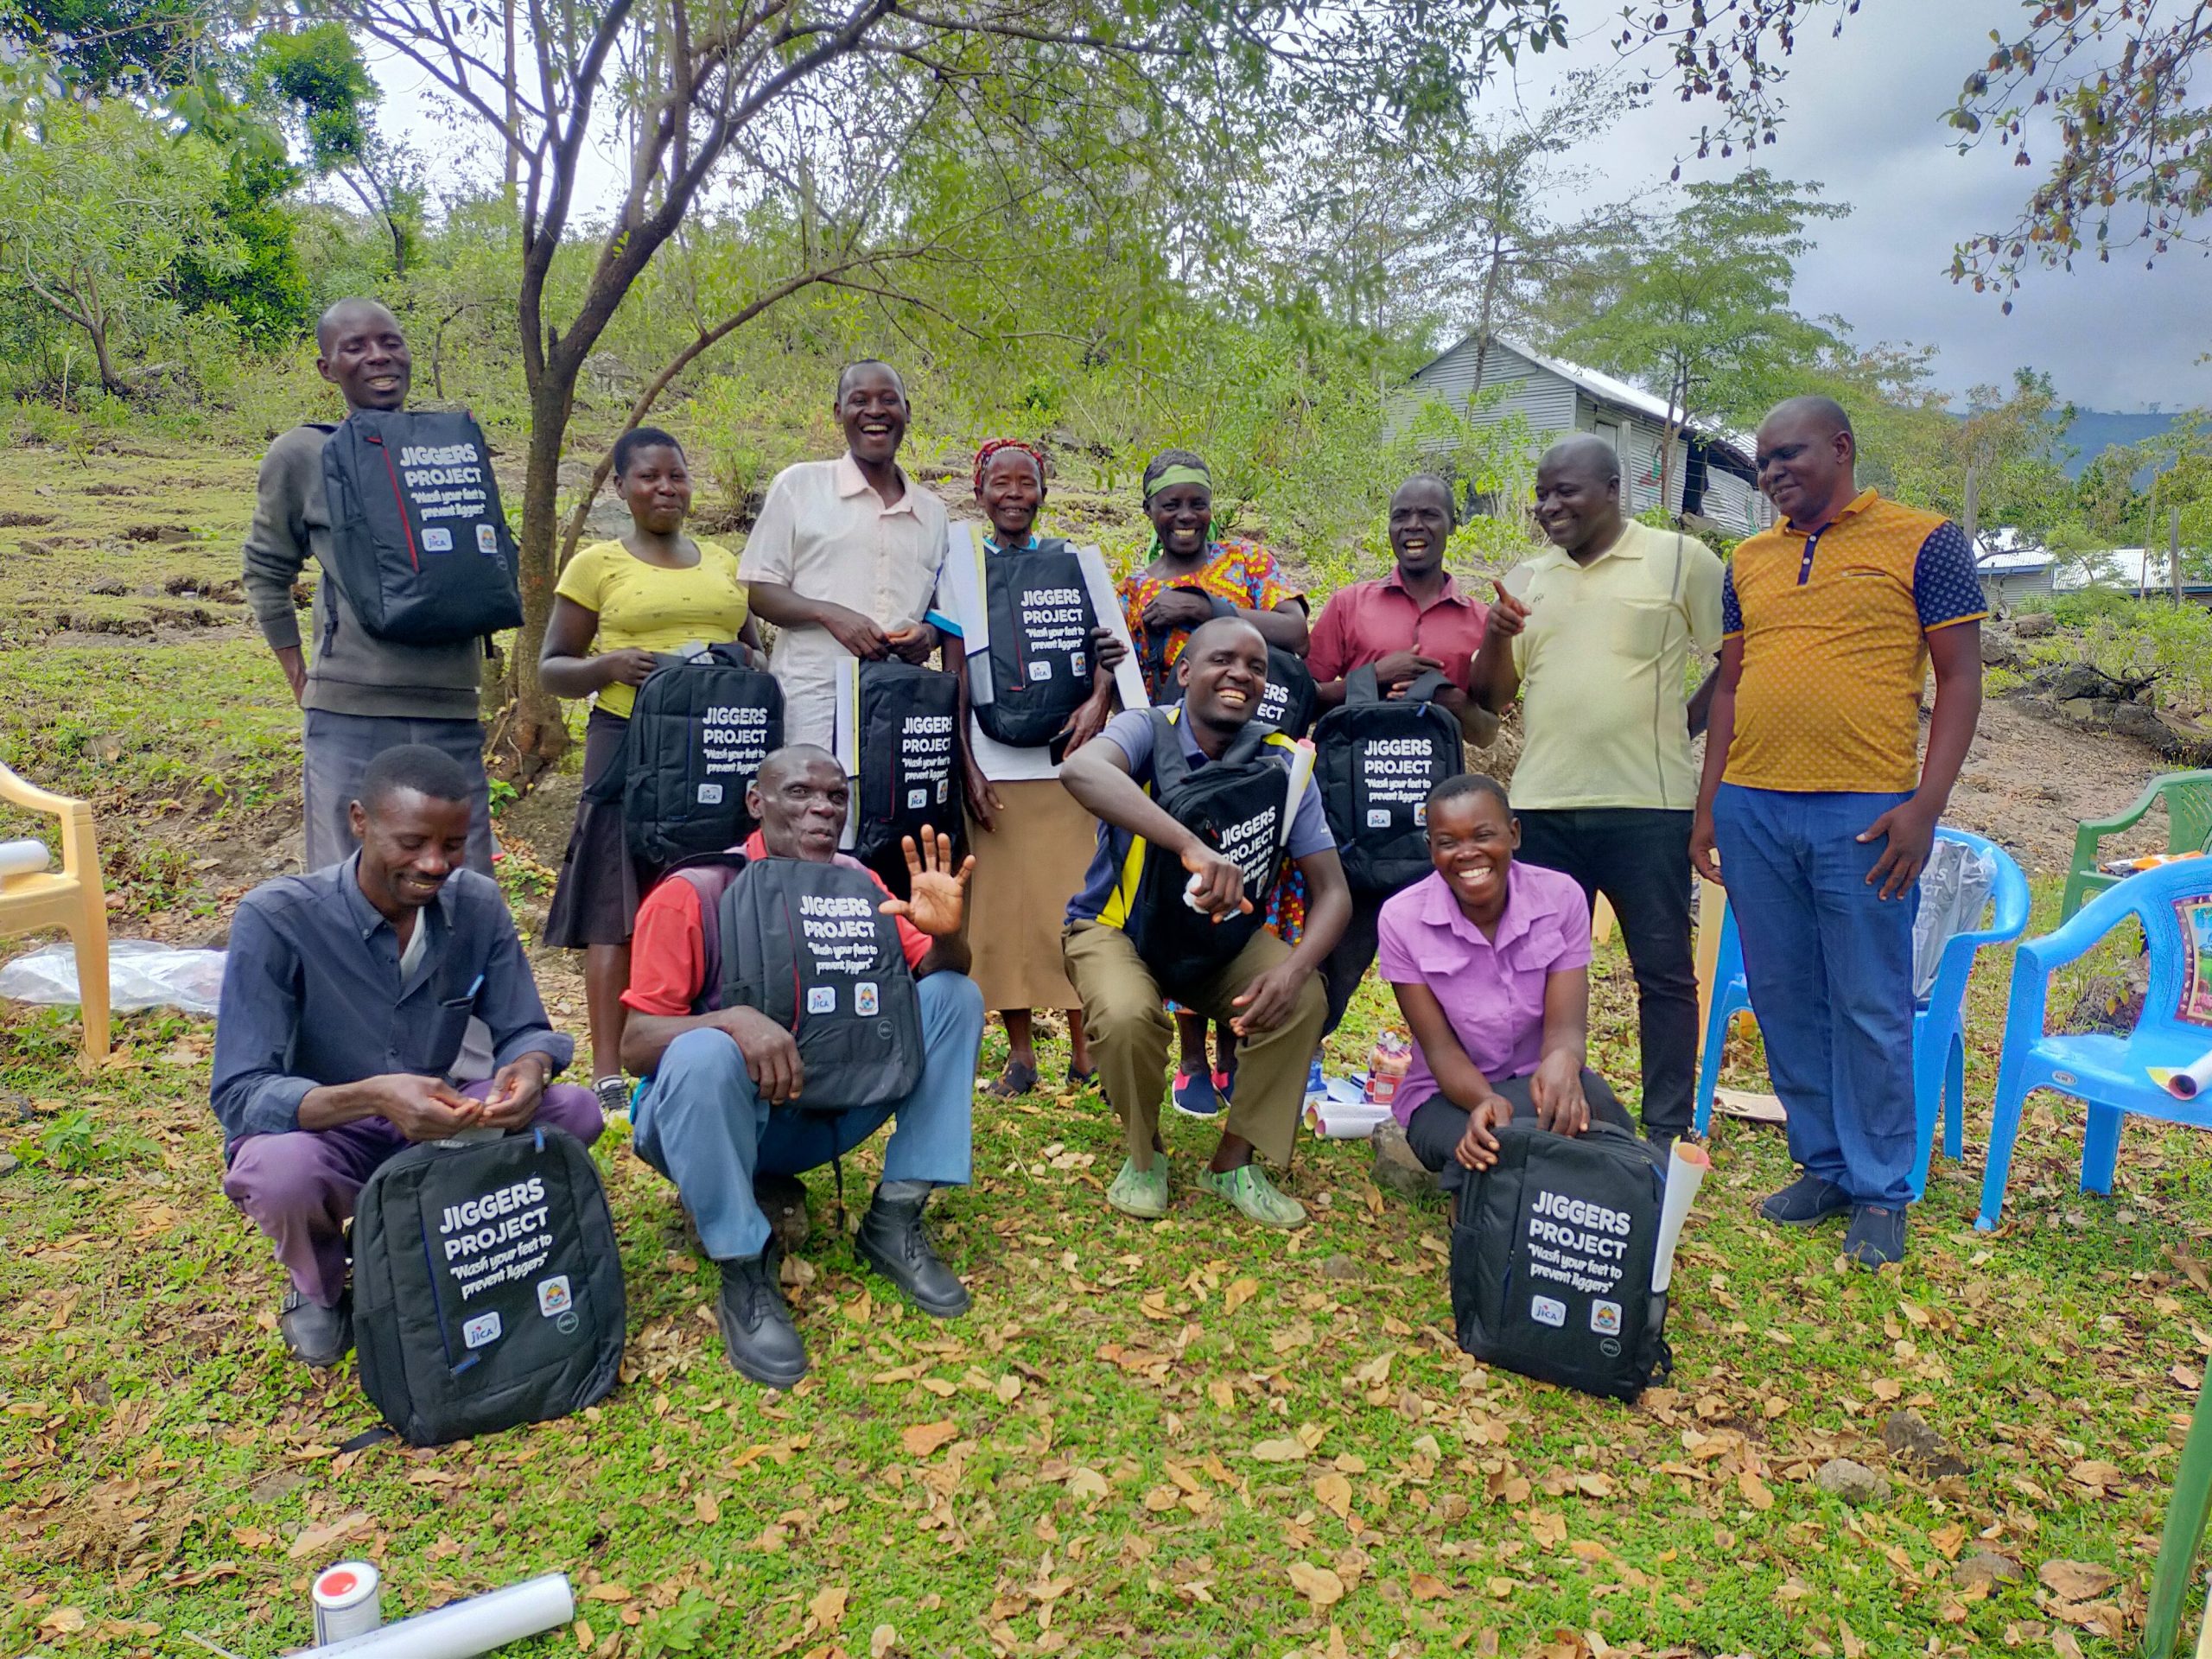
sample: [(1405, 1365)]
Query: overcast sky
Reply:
[(1865, 118)]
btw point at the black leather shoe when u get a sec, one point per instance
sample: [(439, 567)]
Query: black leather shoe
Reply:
[(1876, 1235), (892, 1242), (1806, 1202), (757, 1327), (313, 1334)]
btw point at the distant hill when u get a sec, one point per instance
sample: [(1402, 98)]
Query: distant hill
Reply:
[(2096, 430)]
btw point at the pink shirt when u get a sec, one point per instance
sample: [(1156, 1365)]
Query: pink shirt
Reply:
[(1367, 621), (1492, 992)]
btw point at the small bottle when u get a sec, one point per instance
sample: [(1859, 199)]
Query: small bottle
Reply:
[(348, 1601), (1387, 1067)]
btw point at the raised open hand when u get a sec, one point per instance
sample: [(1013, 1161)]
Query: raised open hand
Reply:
[(939, 892)]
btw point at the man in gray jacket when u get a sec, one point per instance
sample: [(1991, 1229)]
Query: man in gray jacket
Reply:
[(360, 695)]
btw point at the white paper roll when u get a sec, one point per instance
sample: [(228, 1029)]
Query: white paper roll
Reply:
[(1336, 1120), (23, 858), (1685, 1174), (462, 1629), (2184, 1085)]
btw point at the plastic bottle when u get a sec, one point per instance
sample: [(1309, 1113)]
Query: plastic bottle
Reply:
[(1387, 1067)]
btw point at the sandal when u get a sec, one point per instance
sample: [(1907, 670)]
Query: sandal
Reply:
[(1082, 1079), (1016, 1079)]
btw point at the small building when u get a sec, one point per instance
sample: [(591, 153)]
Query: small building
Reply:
[(2008, 566), (1712, 476), (2132, 570)]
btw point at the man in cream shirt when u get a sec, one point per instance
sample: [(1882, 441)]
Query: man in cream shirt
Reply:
[(1600, 647), (845, 556)]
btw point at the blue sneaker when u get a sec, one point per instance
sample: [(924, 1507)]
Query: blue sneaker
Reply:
[(1194, 1094)]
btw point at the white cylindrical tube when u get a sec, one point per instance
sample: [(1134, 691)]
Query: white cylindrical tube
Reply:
[(347, 1601), (463, 1630), (2190, 1081), (1685, 1174), (23, 858), (1338, 1120)]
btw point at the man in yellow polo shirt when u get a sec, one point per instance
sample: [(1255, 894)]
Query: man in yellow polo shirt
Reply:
[(1600, 647), (1822, 810)]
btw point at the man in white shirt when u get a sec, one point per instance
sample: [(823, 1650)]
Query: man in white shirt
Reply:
[(844, 559)]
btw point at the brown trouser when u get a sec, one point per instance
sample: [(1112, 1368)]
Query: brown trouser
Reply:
[(1130, 1033)]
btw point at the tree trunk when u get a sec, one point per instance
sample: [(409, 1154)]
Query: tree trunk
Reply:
[(529, 734), (109, 379)]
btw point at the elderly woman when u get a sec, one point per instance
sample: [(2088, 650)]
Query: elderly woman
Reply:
[(617, 605), (1190, 577), (1032, 841)]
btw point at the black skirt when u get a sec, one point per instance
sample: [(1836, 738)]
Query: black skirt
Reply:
[(596, 901)]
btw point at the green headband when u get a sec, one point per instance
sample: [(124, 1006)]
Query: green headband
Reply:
[(1177, 474)]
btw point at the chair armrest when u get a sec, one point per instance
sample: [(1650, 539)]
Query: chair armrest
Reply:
[(2073, 938), (17, 791), (2090, 831)]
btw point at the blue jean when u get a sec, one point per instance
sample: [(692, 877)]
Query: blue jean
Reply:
[(698, 1121), (1829, 967)]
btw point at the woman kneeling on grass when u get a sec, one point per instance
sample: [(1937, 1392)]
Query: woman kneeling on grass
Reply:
[(1490, 961), (654, 590)]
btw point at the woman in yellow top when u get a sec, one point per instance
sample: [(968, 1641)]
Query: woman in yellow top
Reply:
[(655, 590)]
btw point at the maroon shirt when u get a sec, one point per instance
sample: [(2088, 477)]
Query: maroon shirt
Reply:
[(1367, 621)]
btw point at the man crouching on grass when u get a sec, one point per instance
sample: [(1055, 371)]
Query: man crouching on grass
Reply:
[(338, 1041)]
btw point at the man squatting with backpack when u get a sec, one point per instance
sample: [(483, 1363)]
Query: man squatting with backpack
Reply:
[(728, 1095), (338, 1036), (1161, 910), (362, 693)]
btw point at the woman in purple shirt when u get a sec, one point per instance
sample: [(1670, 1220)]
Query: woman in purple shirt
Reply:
[(1490, 961)]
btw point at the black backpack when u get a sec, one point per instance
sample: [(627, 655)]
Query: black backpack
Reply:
[(697, 734), (1377, 761), (1551, 1261), (1288, 703), (1039, 663), (807, 945), (1239, 805), (418, 544), (488, 1287), (909, 756)]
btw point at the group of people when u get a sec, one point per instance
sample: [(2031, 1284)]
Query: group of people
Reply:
[(383, 998)]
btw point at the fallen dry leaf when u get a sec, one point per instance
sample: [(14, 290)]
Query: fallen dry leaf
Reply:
[(1426, 1586), (827, 1607), (607, 1592), (2096, 1476), (1240, 1292), (882, 1640), (2076, 1580), (1333, 1492), (585, 1636), (1754, 1491), (64, 1621), (317, 1539), (1087, 1482), (1281, 1450), (922, 1439), (706, 1509), (1319, 1585)]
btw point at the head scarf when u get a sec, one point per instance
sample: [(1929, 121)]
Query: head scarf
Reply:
[(1188, 470), (997, 445)]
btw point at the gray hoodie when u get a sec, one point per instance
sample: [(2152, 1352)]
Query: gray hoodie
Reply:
[(350, 670)]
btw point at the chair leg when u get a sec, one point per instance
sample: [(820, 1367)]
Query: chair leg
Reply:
[(1926, 1098), (2004, 1130), (2076, 891), (89, 938), (2100, 1149), (1954, 1095), (1708, 1066)]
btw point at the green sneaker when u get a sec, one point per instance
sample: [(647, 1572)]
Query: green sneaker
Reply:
[(1248, 1188), (1141, 1192)]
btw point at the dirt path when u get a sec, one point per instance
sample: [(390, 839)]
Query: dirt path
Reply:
[(2027, 781)]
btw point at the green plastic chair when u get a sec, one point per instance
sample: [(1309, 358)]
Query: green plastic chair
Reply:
[(2188, 796), (2184, 1535)]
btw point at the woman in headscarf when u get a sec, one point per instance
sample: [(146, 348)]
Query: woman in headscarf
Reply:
[(1191, 577), (618, 604), (1032, 841)]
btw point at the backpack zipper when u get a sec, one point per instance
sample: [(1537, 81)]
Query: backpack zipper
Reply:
[(406, 528)]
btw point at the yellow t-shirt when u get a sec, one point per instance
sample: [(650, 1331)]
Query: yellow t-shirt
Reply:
[(642, 605)]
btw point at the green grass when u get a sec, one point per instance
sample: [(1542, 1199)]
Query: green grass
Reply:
[(1095, 1490)]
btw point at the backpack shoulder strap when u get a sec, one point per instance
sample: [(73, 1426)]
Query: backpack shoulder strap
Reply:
[(1361, 686), (1247, 743), (1425, 689), (1169, 767), (711, 875)]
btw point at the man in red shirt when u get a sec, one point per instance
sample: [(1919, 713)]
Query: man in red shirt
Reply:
[(723, 1096), (1411, 621)]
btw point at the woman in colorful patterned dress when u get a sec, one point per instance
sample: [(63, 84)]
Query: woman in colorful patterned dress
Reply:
[(1191, 578)]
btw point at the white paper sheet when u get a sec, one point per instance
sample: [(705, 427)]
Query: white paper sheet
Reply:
[(1685, 1172), (845, 744)]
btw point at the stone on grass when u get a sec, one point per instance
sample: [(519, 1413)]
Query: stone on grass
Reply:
[(1339, 1267), (1910, 1438), (1854, 1482), (1986, 1567), (2031, 625), (1397, 1168)]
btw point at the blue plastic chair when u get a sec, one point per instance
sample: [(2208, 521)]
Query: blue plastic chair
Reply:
[(1939, 1056), (2107, 1071)]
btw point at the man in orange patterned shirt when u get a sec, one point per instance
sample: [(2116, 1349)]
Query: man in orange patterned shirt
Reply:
[(1821, 810)]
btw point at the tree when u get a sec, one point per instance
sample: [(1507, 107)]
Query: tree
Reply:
[(2009, 442), (809, 107), (99, 48), (2110, 89), (98, 215), (317, 76), (1700, 312)]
